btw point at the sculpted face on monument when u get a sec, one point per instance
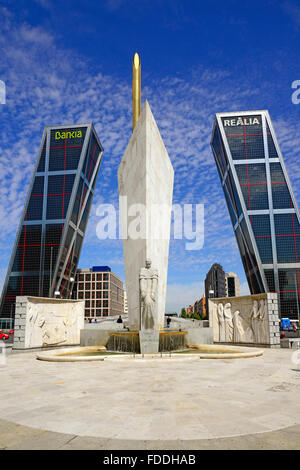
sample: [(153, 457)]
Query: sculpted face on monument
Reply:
[(148, 263), (148, 279)]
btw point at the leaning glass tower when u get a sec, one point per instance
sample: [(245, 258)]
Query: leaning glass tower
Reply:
[(52, 226), (261, 204)]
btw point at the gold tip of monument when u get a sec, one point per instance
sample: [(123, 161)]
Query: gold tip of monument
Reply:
[(136, 60), (136, 89)]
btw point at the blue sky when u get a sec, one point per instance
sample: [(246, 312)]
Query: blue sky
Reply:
[(70, 61)]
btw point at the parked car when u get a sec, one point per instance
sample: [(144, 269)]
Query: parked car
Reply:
[(3, 336), (295, 324), (11, 332)]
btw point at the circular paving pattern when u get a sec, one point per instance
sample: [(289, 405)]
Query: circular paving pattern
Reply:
[(152, 399)]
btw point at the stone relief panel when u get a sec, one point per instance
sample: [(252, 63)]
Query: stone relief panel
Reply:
[(53, 323), (243, 319)]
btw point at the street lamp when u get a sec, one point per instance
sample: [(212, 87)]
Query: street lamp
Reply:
[(11, 317), (210, 295), (50, 277), (72, 279)]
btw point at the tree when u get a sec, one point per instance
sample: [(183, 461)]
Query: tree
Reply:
[(183, 313), (196, 316)]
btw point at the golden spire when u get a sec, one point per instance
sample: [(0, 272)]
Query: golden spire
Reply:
[(136, 89)]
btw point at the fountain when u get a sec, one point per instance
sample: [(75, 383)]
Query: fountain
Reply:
[(124, 342), (145, 179), (130, 341)]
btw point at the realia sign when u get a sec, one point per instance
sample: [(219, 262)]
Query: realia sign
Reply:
[(242, 121)]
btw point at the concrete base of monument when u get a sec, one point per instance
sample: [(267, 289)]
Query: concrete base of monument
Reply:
[(198, 351), (149, 342)]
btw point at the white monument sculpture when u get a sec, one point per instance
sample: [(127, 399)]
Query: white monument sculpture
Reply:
[(148, 296), (145, 178)]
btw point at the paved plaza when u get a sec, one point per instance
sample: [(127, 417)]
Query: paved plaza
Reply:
[(151, 404)]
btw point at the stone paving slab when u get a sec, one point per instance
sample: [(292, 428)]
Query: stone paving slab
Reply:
[(17, 437), (150, 403)]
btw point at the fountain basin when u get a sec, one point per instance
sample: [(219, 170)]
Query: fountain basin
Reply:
[(100, 353)]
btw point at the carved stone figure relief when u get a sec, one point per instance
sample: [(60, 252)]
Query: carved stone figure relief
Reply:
[(238, 329), (48, 327), (228, 323), (246, 324), (221, 323)]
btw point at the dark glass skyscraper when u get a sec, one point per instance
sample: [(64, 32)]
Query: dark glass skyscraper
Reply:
[(52, 227), (214, 283), (261, 204)]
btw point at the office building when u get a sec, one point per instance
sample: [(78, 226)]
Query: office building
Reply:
[(200, 307), (261, 204), (215, 282), (190, 310), (102, 291), (232, 285), (53, 223)]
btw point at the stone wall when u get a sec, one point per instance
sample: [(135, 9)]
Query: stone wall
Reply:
[(250, 319), (96, 337), (199, 336), (43, 322)]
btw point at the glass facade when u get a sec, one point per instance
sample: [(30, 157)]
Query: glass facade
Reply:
[(54, 219), (261, 204)]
